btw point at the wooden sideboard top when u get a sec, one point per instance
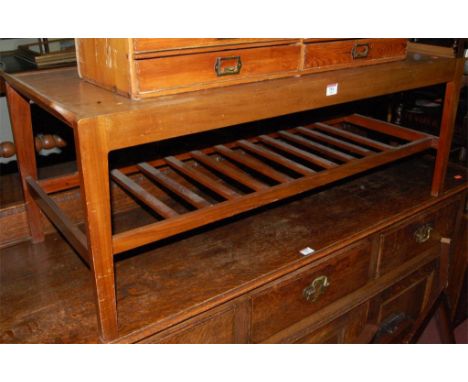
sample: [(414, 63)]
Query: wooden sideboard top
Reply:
[(48, 298), (62, 93)]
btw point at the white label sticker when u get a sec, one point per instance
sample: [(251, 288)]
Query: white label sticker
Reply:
[(332, 89), (306, 251)]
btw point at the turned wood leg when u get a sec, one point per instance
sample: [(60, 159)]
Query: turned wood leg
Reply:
[(20, 116), (449, 113), (92, 158)]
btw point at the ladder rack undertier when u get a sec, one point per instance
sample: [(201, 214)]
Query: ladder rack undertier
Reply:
[(243, 175)]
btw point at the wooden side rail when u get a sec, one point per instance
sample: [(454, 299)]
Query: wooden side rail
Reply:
[(72, 233)]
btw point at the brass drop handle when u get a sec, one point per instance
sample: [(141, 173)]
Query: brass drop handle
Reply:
[(360, 51), (423, 233), (223, 70), (316, 288)]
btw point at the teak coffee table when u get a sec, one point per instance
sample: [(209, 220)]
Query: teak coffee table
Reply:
[(103, 122)]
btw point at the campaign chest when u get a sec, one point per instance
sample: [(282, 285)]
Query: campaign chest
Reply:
[(148, 67)]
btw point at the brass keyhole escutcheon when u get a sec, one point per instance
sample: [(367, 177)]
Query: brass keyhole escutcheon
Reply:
[(423, 233), (316, 288)]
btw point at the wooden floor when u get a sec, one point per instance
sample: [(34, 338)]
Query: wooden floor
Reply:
[(45, 289)]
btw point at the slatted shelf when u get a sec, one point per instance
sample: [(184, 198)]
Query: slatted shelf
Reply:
[(268, 168), (249, 173)]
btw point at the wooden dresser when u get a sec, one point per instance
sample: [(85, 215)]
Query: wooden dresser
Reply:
[(250, 283), (245, 280), (374, 280)]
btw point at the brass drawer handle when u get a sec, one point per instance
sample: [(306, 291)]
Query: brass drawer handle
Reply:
[(227, 70), (316, 288), (423, 233), (360, 51)]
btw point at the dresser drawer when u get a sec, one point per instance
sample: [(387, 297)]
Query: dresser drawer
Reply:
[(339, 54), (307, 291), (398, 307), (141, 45), (416, 235), (202, 70)]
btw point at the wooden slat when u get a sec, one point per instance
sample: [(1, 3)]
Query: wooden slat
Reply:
[(141, 194), (335, 141), (274, 157), (72, 233), (189, 196), (252, 163), (332, 153), (156, 231), (312, 158), (385, 127), (237, 175), (353, 137), (201, 178)]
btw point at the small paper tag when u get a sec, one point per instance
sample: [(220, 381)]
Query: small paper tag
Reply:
[(332, 89), (306, 251)]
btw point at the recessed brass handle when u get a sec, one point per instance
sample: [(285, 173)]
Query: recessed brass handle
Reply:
[(423, 233), (360, 51), (316, 288), (224, 70)]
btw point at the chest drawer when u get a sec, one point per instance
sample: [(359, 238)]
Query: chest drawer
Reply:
[(398, 307), (348, 53), (416, 235), (309, 290), (204, 70), (145, 45)]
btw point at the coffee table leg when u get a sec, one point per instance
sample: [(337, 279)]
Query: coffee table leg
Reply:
[(449, 113), (92, 158), (20, 116)]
